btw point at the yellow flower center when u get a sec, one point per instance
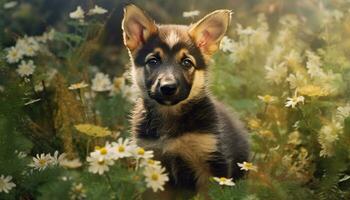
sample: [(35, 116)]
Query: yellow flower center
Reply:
[(267, 98), (97, 147), (248, 165), (150, 161), (101, 162), (42, 162), (222, 179), (121, 149), (103, 151), (141, 151), (155, 177)]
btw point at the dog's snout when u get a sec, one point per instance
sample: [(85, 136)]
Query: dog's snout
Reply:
[(168, 89), (168, 86)]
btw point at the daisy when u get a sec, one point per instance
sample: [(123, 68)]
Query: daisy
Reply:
[(224, 181), (190, 13), (78, 86), (77, 191), (227, 44), (156, 178), (41, 162), (276, 73), (293, 101), (63, 161), (104, 152), (296, 80), (10, 4), (247, 166), (343, 112), (26, 68), (5, 184), (77, 14), (101, 83), (268, 99), (97, 10), (14, 55), (122, 149), (70, 164), (129, 92), (140, 152), (98, 164), (150, 163)]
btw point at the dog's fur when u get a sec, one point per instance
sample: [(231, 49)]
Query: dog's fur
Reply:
[(192, 134)]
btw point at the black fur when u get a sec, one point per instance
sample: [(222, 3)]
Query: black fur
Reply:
[(200, 116)]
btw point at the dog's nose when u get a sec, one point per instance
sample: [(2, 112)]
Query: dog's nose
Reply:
[(168, 88)]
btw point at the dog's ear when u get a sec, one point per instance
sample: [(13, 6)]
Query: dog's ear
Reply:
[(137, 27), (208, 32)]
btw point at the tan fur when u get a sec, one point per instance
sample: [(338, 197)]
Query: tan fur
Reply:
[(182, 52), (155, 51), (172, 39), (195, 148)]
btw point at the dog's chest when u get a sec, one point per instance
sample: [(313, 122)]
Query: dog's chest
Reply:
[(190, 152)]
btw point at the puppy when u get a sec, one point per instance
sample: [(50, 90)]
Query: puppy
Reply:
[(193, 135)]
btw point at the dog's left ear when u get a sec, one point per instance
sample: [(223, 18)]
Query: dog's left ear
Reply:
[(208, 32)]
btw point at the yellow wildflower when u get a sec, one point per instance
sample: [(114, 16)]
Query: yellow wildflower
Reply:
[(93, 130), (312, 90)]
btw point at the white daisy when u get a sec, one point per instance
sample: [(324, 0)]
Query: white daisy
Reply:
[(343, 112), (70, 163), (227, 44), (46, 36), (313, 65), (28, 45), (268, 99), (5, 183), (77, 14), (245, 31), (122, 148), (63, 161), (150, 163), (293, 101), (10, 4), (41, 162), (98, 164), (277, 73), (247, 166), (77, 191), (129, 92), (26, 68), (190, 13), (78, 86), (101, 83), (155, 178), (97, 10), (14, 54), (296, 80), (224, 181), (106, 152), (140, 152)]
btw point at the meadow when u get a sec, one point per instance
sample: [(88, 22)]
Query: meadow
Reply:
[(66, 95)]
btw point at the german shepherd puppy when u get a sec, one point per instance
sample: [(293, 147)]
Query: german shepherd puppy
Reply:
[(192, 134)]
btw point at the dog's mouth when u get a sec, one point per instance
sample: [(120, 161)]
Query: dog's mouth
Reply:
[(166, 100)]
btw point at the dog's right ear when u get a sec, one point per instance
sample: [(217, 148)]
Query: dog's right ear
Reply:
[(137, 27)]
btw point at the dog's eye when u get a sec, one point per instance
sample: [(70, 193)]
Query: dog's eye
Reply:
[(152, 62), (186, 62)]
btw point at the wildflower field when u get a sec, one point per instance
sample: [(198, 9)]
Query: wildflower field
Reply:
[(66, 96)]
